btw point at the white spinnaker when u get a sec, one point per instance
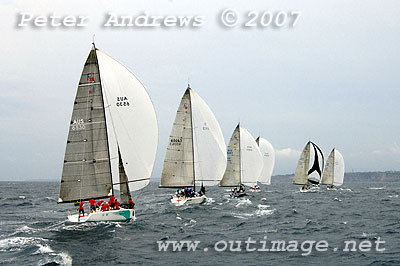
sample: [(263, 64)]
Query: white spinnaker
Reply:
[(268, 153), (208, 143), (338, 175), (133, 118), (250, 158)]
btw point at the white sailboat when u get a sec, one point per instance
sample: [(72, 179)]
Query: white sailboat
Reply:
[(268, 154), (112, 139), (196, 153), (309, 168), (334, 170), (245, 162)]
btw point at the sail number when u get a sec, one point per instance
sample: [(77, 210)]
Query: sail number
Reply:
[(78, 124), (122, 101), (176, 141)]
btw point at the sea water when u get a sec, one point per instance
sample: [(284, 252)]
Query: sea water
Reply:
[(34, 228)]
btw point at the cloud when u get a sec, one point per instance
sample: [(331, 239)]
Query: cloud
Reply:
[(287, 153)]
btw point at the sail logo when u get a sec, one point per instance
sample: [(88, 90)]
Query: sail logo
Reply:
[(184, 119), (230, 151), (175, 142), (205, 127), (122, 101), (186, 106), (90, 77), (249, 148), (77, 124)]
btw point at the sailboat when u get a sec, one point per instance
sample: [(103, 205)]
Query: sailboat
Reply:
[(268, 154), (334, 170), (309, 168), (245, 162), (196, 152), (112, 139)]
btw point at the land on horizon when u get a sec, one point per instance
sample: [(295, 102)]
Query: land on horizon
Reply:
[(349, 177)]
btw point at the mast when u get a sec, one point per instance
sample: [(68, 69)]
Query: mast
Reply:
[(191, 121), (105, 119), (240, 159)]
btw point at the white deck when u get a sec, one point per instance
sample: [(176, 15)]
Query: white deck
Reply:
[(179, 201), (120, 215)]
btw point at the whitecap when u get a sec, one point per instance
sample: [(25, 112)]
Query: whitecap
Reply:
[(265, 212), (243, 202), (260, 206), (376, 188), (21, 197), (43, 249)]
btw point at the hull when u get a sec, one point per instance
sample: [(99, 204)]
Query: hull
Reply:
[(120, 215), (255, 189), (331, 188), (313, 188), (179, 201), (238, 195)]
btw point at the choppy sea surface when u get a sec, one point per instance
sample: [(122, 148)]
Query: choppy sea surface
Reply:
[(34, 228)]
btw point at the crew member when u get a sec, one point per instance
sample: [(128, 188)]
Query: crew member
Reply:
[(105, 207), (131, 204), (81, 210), (92, 205), (112, 202)]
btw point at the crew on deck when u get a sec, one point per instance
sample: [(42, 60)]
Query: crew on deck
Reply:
[(92, 205), (131, 204), (80, 208)]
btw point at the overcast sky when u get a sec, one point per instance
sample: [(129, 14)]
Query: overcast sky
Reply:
[(333, 78)]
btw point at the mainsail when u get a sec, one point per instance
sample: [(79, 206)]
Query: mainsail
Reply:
[(268, 153), (334, 169), (196, 152), (112, 114), (245, 160), (87, 171), (310, 165)]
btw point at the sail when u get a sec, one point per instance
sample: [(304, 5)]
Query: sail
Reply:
[(232, 177), (316, 164), (338, 169), (301, 174), (208, 144), (178, 168), (250, 157), (125, 194), (133, 119), (327, 176), (86, 170), (268, 153)]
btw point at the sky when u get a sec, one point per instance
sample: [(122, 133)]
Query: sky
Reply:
[(333, 78)]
